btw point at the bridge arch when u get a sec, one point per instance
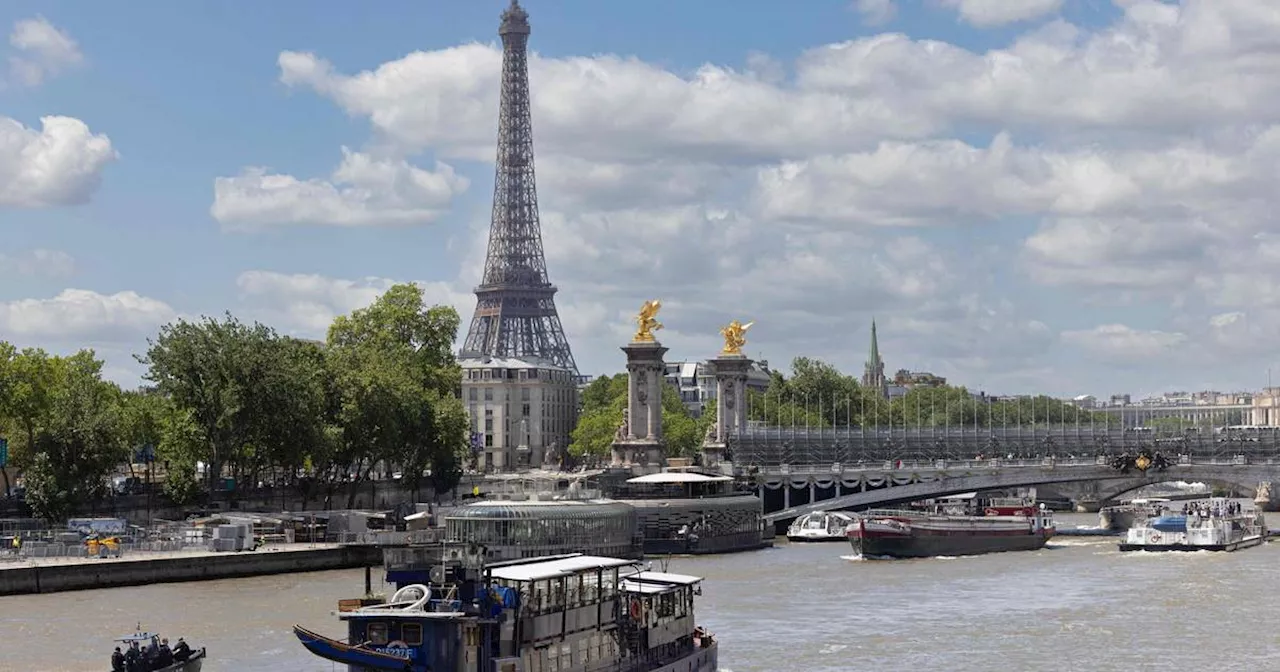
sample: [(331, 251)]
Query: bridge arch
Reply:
[(947, 484), (1112, 491)]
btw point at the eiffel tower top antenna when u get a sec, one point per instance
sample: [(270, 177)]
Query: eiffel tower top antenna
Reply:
[(515, 313)]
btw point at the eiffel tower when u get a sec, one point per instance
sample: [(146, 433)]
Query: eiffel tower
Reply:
[(515, 307)]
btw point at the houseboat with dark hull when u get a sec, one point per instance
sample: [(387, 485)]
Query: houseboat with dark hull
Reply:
[(570, 613), (912, 534)]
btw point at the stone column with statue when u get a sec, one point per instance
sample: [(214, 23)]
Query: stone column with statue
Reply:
[(638, 444), (730, 370)]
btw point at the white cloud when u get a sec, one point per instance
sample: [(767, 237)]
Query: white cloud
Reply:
[(305, 304), (1118, 342), (987, 13), (363, 191), (83, 316), (43, 51), (1095, 166), (38, 262), (1156, 68), (61, 164), (876, 12)]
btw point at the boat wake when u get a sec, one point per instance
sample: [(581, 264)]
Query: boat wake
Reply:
[(1157, 554), (861, 558)]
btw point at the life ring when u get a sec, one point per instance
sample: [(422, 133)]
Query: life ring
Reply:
[(636, 610), (1155, 537), (991, 512)]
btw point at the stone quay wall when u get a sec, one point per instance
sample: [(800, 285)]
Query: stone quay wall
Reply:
[(85, 574)]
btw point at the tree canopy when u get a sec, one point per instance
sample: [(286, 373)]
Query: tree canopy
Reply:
[(65, 423), (245, 402), (817, 394), (603, 402)]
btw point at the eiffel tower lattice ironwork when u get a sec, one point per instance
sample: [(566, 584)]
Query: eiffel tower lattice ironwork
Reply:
[(515, 307)]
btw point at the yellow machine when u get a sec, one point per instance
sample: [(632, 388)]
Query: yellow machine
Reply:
[(102, 546)]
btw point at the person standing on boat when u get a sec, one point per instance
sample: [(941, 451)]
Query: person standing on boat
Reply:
[(133, 658), (117, 661), (181, 652), (164, 657)]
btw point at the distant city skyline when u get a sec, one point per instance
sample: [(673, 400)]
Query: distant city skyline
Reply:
[(1057, 198)]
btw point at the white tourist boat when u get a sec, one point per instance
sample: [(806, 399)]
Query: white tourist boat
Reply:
[(1126, 514), (820, 526), (1217, 524)]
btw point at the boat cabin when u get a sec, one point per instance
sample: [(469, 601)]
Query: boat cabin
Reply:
[(417, 630), (661, 604), (568, 613)]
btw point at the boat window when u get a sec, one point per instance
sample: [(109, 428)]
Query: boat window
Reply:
[(411, 633), (573, 590), (377, 634)]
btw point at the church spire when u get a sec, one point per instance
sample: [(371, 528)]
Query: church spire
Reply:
[(873, 371), (874, 357)]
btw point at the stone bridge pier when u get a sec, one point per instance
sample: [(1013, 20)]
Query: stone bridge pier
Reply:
[(1083, 495)]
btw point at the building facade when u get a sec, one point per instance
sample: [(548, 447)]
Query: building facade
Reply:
[(912, 379), (696, 382), (521, 412)]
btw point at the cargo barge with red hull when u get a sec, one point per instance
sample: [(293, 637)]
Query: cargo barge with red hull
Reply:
[(912, 534)]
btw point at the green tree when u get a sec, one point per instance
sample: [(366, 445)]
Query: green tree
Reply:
[(79, 442), (398, 387), (32, 375), (259, 401), (602, 404), (602, 409), (198, 366), (7, 354)]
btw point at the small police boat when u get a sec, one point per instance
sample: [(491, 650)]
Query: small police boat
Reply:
[(181, 658), (572, 613)]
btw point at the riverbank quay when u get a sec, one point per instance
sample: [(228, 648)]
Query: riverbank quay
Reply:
[(58, 574)]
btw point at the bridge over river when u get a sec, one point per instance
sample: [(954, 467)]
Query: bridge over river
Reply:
[(800, 470)]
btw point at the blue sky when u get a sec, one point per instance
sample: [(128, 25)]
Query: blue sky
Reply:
[(1058, 196)]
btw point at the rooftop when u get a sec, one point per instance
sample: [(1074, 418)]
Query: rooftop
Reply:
[(505, 363)]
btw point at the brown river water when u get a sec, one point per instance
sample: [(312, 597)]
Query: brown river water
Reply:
[(1079, 604)]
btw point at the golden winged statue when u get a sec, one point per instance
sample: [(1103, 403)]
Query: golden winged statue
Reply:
[(735, 336), (647, 321)]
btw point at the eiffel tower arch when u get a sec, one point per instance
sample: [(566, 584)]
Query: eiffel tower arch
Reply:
[(519, 376)]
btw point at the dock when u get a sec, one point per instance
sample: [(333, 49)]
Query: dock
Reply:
[(56, 574)]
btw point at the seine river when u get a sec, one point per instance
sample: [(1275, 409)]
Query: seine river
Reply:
[(1079, 604)]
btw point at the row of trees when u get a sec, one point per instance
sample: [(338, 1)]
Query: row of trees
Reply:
[(819, 395), (247, 402)]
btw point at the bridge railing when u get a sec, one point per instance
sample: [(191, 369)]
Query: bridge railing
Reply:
[(800, 446)]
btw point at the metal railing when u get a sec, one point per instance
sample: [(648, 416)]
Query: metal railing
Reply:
[(768, 447)]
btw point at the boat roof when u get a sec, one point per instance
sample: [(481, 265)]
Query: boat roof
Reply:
[(664, 577), (137, 637), (647, 583), (551, 569), (838, 514), (679, 477)]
